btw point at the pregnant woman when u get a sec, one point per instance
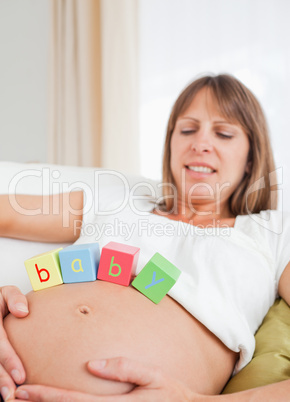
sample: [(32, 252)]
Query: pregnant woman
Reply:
[(224, 237)]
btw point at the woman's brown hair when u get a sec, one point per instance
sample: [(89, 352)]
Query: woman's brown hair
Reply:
[(237, 104)]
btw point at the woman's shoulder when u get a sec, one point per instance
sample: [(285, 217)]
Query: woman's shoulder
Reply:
[(268, 221)]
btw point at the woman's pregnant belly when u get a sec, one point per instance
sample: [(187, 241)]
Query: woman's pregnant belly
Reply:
[(69, 325)]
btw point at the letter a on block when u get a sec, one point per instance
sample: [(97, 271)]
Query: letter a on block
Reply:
[(80, 262), (80, 265), (118, 263), (44, 270), (157, 267)]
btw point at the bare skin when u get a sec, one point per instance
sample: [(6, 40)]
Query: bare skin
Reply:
[(153, 385), (99, 319), (41, 218)]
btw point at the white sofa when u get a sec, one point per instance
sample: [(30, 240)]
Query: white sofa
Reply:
[(19, 178)]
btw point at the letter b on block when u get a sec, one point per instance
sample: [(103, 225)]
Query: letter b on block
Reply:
[(44, 270), (118, 263), (117, 268), (79, 263), (156, 278)]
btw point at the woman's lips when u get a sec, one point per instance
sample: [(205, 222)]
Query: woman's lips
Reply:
[(205, 169)]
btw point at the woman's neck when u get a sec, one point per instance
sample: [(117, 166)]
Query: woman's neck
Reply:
[(202, 214)]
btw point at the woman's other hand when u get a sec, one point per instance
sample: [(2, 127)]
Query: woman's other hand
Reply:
[(151, 385), (11, 369)]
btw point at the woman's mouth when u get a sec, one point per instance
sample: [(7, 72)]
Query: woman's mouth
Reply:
[(200, 169)]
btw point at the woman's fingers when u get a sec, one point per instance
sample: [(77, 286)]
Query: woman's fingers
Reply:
[(9, 361), (119, 369), (41, 393), (125, 370), (14, 301), (11, 368), (152, 384)]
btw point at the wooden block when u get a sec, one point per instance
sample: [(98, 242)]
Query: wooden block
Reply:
[(44, 270), (79, 263), (118, 263), (156, 278)]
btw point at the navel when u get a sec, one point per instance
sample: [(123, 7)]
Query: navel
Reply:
[(83, 309)]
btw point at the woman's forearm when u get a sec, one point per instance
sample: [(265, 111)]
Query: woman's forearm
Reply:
[(277, 392), (51, 218)]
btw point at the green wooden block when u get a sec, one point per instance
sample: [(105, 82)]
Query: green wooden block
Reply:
[(156, 278)]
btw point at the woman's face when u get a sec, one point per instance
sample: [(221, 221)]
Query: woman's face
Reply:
[(208, 153)]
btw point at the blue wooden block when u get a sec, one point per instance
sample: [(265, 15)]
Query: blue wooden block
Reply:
[(79, 263)]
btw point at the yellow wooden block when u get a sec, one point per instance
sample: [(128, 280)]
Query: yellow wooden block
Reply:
[(44, 270)]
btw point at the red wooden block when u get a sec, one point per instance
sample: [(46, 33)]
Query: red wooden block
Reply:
[(118, 263)]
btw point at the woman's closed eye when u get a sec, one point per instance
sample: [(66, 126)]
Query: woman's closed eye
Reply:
[(188, 131), (224, 135)]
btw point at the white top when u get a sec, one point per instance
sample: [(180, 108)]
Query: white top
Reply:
[(229, 276)]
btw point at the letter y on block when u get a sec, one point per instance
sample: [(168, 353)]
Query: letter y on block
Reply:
[(146, 281), (154, 282)]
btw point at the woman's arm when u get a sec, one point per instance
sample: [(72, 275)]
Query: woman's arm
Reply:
[(151, 385), (53, 218), (11, 368), (284, 284)]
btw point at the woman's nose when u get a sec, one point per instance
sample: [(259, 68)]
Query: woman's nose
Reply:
[(201, 143)]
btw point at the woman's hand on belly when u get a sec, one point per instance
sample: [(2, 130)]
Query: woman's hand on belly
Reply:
[(11, 368), (148, 384)]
